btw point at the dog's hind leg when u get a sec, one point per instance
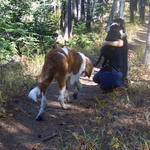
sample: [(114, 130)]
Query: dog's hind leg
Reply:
[(62, 92), (67, 92), (78, 86)]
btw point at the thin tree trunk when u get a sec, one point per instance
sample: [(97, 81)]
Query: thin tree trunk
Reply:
[(135, 5), (147, 50), (75, 9), (142, 11), (62, 18), (131, 11), (112, 12), (79, 10), (82, 10), (88, 17), (121, 9), (69, 18), (93, 8), (68, 21)]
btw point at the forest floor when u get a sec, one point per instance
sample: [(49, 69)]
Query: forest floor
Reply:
[(117, 122)]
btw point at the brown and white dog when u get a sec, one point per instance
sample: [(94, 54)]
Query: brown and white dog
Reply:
[(66, 67)]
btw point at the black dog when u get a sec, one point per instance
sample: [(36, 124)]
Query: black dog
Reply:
[(109, 53)]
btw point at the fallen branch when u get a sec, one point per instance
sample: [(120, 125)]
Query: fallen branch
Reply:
[(44, 140), (49, 137)]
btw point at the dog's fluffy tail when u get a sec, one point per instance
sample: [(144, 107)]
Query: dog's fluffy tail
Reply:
[(34, 93)]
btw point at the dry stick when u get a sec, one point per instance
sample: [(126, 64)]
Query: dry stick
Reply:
[(44, 140), (49, 137)]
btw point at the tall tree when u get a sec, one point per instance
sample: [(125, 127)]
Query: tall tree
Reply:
[(131, 11), (112, 12), (82, 10), (121, 9), (88, 17), (62, 17), (142, 11), (78, 9), (147, 50), (68, 21), (117, 10)]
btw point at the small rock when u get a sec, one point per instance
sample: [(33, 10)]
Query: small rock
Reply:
[(39, 136), (11, 115)]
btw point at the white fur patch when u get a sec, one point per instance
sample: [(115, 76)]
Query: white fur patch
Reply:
[(34, 93), (122, 34), (82, 68), (75, 77), (65, 50), (61, 98), (43, 104), (61, 54), (62, 94), (114, 23)]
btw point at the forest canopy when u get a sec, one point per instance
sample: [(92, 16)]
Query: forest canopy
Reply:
[(30, 27)]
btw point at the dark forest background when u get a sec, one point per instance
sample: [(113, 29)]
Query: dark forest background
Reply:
[(31, 27)]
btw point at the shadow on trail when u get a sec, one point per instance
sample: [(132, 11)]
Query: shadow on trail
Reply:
[(90, 111), (19, 130)]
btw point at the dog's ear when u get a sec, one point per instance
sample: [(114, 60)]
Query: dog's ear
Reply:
[(88, 67)]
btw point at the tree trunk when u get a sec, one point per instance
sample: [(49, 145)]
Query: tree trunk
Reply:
[(112, 12), (82, 10), (131, 11), (147, 50), (135, 4), (79, 10), (75, 10), (121, 9), (93, 9), (62, 18), (88, 17), (68, 21), (142, 11)]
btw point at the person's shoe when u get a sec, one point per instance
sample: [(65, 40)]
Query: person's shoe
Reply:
[(126, 83)]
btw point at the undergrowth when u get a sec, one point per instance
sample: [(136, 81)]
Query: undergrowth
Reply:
[(17, 78), (107, 129)]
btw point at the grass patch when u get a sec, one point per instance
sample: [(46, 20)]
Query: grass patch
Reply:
[(18, 78), (114, 125), (108, 138)]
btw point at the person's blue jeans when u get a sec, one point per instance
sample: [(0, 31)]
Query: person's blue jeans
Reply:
[(108, 79)]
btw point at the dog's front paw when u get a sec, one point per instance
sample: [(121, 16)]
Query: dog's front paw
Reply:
[(75, 95), (39, 118)]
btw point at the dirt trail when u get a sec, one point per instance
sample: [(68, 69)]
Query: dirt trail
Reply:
[(19, 131)]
